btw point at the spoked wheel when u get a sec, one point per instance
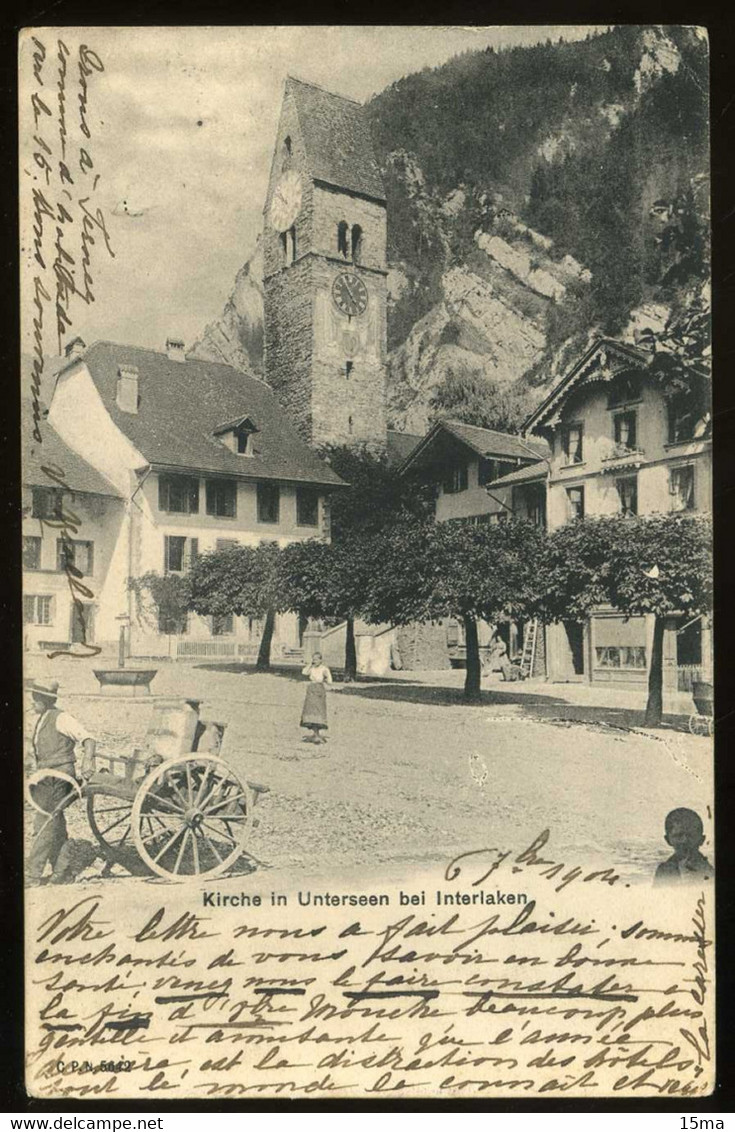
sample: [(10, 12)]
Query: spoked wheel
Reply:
[(110, 820), (190, 817), (700, 725)]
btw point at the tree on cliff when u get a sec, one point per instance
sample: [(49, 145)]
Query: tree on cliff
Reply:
[(244, 581), (659, 565), (427, 571)]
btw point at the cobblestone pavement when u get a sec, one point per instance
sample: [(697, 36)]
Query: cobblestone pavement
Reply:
[(411, 775)]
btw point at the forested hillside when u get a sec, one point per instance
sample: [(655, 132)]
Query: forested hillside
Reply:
[(535, 196)]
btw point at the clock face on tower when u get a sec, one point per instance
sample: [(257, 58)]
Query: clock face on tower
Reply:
[(350, 294), (286, 202)]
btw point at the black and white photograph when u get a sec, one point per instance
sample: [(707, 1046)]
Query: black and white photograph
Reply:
[(367, 562)]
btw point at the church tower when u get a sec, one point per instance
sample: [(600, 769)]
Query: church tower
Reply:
[(324, 247)]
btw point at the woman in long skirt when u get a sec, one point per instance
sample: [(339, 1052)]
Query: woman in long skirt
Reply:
[(314, 714)]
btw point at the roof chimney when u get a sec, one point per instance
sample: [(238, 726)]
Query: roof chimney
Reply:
[(175, 349), (127, 389), (74, 349)]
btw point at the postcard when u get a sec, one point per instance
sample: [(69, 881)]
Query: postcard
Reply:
[(367, 584)]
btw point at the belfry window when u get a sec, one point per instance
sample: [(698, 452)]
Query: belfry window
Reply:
[(288, 246), (342, 229), (356, 242)]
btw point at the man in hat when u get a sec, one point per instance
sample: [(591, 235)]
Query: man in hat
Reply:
[(55, 738)]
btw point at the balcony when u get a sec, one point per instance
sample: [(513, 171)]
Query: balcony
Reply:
[(622, 459)]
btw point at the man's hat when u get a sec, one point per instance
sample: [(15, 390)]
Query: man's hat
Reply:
[(48, 689)]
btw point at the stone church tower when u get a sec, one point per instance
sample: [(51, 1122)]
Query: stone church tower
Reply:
[(324, 247)]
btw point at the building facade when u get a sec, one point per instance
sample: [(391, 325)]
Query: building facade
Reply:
[(325, 270), (73, 527), (198, 457), (621, 443)]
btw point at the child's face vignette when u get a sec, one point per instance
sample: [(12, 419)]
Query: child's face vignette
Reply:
[(683, 837)]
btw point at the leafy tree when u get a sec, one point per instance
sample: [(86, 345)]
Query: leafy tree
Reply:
[(659, 565), (241, 580), (471, 397), (329, 580), (162, 599), (427, 571), (377, 499)]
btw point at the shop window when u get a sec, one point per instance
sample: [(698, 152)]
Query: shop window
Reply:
[(269, 502), (575, 502), (628, 495), (37, 609), (626, 431), (31, 552), (222, 498), (178, 495), (75, 555), (307, 507), (572, 443), (455, 480), (681, 488), (621, 656), (179, 553)]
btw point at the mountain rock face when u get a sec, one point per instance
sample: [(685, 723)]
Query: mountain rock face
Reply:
[(536, 197), (236, 337)]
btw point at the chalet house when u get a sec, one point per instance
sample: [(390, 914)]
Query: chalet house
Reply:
[(198, 457), (621, 443), (464, 463)]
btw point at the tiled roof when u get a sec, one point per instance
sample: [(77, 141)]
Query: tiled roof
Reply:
[(52, 450), (336, 134), (530, 474), (400, 445), (183, 403), (487, 442)]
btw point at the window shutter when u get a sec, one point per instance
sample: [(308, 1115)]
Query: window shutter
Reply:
[(162, 494), (193, 551), (165, 554), (90, 558), (194, 497)]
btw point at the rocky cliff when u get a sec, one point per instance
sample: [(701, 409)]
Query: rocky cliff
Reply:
[(535, 197)]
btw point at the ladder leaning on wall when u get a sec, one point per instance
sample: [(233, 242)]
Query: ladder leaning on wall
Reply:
[(528, 655)]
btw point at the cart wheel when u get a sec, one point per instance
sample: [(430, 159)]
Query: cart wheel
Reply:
[(47, 780), (110, 820), (190, 817), (700, 725)]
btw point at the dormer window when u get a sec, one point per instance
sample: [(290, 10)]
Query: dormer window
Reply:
[(238, 435)]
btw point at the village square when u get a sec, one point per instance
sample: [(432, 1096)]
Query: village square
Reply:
[(267, 630)]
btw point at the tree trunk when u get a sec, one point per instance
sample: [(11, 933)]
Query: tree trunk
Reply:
[(473, 670), (350, 652), (654, 707), (263, 662)]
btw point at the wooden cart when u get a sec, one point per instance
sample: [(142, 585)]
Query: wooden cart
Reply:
[(181, 817)]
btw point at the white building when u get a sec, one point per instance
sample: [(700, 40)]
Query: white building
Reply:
[(198, 456)]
